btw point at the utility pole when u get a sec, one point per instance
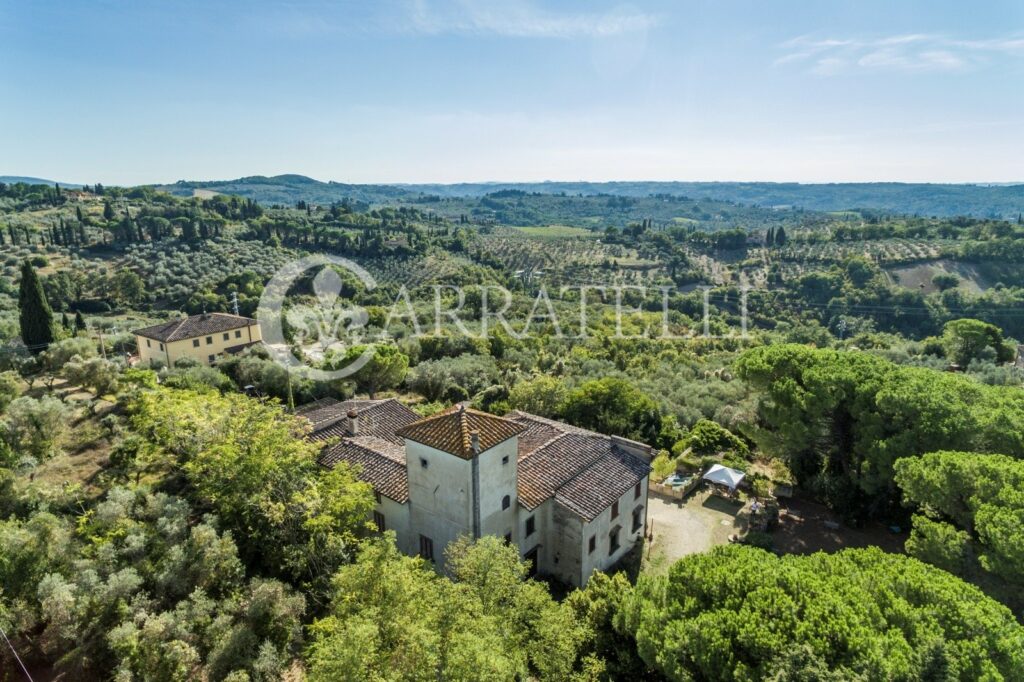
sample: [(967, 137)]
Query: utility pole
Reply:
[(103, 347)]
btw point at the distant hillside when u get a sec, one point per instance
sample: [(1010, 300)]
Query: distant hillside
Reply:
[(987, 201), (15, 179), (287, 189)]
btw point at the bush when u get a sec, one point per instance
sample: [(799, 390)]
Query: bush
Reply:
[(10, 388), (454, 379), (939, 544), (739, 612), (198, 378), (542, 395), (615, 407), (662, 466), (761, 487), (708, 438), (759, 539), (36, 427)]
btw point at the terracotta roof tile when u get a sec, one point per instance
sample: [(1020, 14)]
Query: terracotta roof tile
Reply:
[(539, 430), (380, 418), (451, 431), (583, 470), (595, 488), (379, 462), (195, 325)]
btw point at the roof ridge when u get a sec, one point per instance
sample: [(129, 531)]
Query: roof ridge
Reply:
[(464, 432), (452, 430), (549, 441), (565, 427)]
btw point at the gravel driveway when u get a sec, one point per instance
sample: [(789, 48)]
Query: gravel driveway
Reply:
[(696, 524)]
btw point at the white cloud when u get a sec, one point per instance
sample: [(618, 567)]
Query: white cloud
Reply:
[(516, 18), (906, 53)]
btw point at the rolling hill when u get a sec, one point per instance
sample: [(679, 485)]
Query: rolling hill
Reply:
[(985, 201)]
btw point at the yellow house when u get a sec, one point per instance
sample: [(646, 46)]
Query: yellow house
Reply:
[(201, 337)]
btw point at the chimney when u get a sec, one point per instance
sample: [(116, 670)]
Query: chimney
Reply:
[(474, 442), (353, 423)]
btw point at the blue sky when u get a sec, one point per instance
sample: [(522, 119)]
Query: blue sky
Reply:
[(474, 90)]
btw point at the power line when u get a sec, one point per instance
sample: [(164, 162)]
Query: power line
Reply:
[(16, 656)]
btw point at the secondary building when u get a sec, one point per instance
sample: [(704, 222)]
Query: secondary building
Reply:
[(200, 337), (573, 501)]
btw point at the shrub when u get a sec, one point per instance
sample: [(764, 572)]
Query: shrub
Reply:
[(708, 438), (36, 427)]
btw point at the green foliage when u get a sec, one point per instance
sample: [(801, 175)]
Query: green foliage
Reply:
[(245, 459), (127, 288), (708, 438), (385, 369), (969, 340), (761, 487), (60, 353), (939, 544), (662, 466), (197, 378), (541, 395), (35, 427), (945, 281), (840, 419), (983, 495), (269, 377), (142, 590), (614, 406), (600, 608), (393, 618), (10, 388), (35, 316), (739, 613), (95, 373), (455, 378)]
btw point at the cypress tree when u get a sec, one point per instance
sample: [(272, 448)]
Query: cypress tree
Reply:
[(35, 315), (108, 211), (780, 237), (65, 322), (80, 325)]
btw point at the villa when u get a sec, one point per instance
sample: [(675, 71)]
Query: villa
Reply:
[(201, 337), (573, 501)]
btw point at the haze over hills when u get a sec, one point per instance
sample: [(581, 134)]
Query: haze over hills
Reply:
[(14, 179), (929, 199), (996, 201)]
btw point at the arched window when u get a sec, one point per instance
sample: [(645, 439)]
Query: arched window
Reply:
[(506, 502)]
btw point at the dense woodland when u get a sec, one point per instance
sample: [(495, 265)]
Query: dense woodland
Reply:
[(156, 523)]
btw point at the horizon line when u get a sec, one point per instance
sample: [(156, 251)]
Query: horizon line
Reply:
[(968, 183)]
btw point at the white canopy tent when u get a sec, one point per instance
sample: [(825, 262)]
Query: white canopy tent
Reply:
[(723, 475)]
